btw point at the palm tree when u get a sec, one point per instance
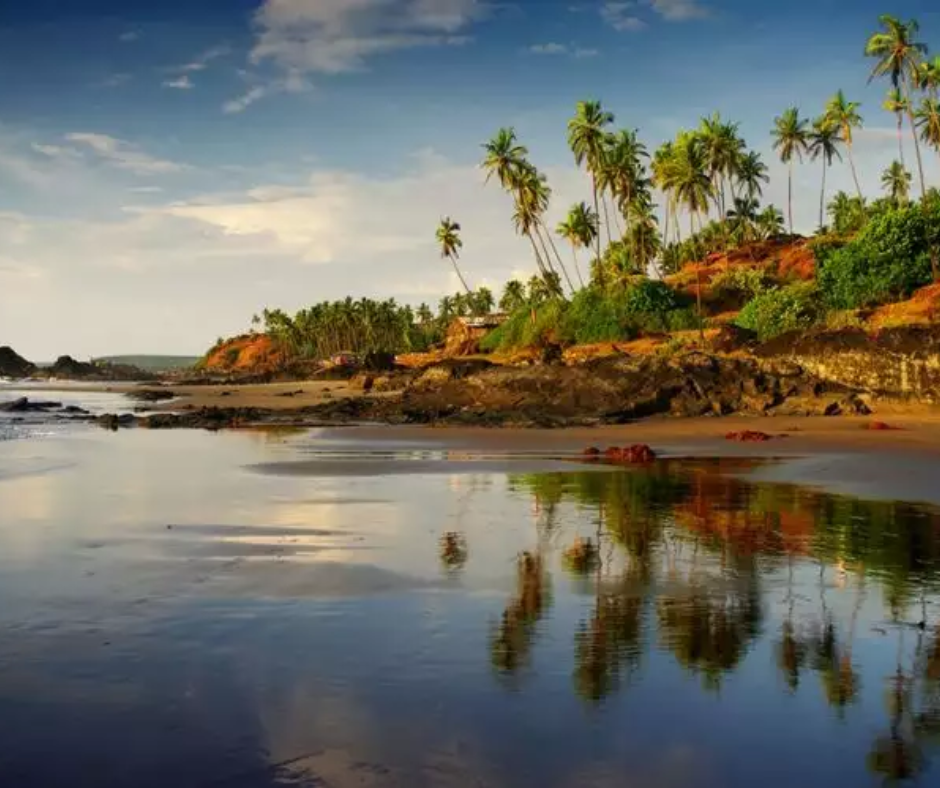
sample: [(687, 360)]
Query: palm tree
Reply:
[(899, 56), (928, 122), (644, 238), (448, 236), (743, 219), (513, 296), (896, 181), (505, 158), (770, 222), (723, 148), (532, 198), (824, 144), (791, 140), (927, 77), (843, 114), (896, 103), (750, 172), (586, 138), (579, 228)]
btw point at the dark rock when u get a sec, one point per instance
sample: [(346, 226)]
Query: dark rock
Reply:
[(13, 365), (112, 421), (74, 410), (25, 405), (379, 361), (731, 337), (833, 409), (551, 354), (362, 382), (151, 395), (630, 455)]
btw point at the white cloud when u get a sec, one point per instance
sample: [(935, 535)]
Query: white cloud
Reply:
[(201, 62), (336, 36), (622, 16), (550, 48), (56, 151), (129, 36), (124, 155), (180, 83), (678, 10), (586, 52), (146, 190), (244, 101)]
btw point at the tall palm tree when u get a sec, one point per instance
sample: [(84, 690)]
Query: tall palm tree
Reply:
[(750, 172), (927, 77), (843, 114), (928, 122), (899, 55), (448, 237), (896, 103), (791, 140), (662, 179), (824, 144), (579, 228), (505, 158), (586, 137), (723, 148), (896, 181), (533, 194)]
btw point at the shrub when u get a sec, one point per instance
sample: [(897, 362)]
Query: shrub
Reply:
[(743, 283), (781, 310), (887, 261), (650, 296)]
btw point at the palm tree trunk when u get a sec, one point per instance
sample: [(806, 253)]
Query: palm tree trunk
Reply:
[(790, 195), (551, 241), (577, 268), (453, 259), (606, 219), (920, 163), (901, 137), (597, 237), (538, 258), (854, 172), (822, 195)]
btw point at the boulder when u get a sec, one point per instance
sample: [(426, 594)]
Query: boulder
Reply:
[(13, 365)]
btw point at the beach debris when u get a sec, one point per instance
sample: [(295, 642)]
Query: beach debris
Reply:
[(749, 436), (880, 426), (453, 548), (581, 557), (637, 454)]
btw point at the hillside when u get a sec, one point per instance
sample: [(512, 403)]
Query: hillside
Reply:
[(150, 363)]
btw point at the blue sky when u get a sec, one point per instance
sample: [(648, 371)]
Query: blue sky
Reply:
[(167, 169)]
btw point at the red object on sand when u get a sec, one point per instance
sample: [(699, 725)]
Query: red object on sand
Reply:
[(748, 436), (880, 426), (633, 455)]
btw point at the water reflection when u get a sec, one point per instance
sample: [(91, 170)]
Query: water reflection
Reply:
[(697, 558)]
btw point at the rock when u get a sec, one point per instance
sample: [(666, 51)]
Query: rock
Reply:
[(362, 382), (151, 395), (591, 452), (379, 361), (833, 409), (433, 378), (880, 426), (731, 337), (112, 421), (25, 405), (74, 410), (13, 365), (551, 354), (748, 436), (637, 454)]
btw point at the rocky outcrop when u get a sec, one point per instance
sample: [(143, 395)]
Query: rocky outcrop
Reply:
[(894, 363), (67, 368), (13, 365)]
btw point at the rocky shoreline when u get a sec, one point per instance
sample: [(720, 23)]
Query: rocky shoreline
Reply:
[(609, 391)]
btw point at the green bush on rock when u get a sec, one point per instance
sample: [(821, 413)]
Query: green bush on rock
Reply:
[(888, 259), (781, 310)]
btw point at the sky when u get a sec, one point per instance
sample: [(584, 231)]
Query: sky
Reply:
[(168, 169)]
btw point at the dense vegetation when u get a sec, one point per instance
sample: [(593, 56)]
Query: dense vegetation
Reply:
[(603, 273)]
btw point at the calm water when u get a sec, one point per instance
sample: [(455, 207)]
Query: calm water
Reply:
[(258, 609)]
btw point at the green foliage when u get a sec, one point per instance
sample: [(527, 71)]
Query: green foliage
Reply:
[(743, 283), (781, 310), (594, 315), (886, 261)]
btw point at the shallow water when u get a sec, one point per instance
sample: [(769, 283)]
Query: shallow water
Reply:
[(274, 608)]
